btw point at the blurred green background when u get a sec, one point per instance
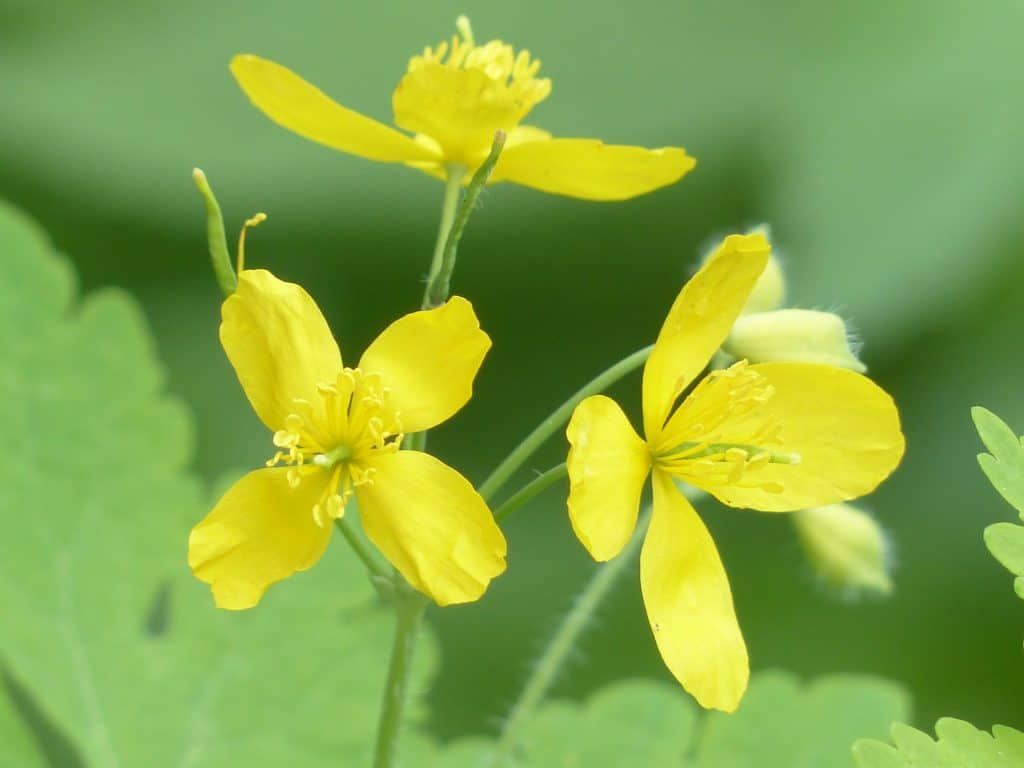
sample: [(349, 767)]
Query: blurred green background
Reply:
[(880, 140)]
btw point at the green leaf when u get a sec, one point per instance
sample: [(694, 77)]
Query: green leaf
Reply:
[(780, 724), (785, 724), (115, 645), (17, 745), (1006, 542), (958, 745), (1004, 467), (1004, 464)]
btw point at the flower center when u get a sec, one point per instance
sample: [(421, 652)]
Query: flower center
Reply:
[(352, 419), (497, 60), (720, 434), (456, 96)]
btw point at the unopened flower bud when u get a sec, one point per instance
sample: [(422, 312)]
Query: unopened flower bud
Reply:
[(793, 336), (769, 291), (846, 547)]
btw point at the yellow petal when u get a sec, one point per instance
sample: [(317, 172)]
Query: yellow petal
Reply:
[(432, 525), (524, 134), (428, 360), (689, 604), (279, 344), (590, 169), (260, 532), (294, 104), (698, 323), (844, 428), (608, 464)]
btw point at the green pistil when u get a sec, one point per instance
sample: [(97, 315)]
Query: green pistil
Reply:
[(327, 460), (718, 449)]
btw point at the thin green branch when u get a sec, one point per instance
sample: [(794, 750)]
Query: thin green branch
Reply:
[(362, 549), (558, 418), (449, 208), (563, 643), (409, 607), (439, 288), (529, 491)]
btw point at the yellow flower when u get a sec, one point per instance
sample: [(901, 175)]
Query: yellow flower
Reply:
[(337, 431), (453, 99), (775, 437)]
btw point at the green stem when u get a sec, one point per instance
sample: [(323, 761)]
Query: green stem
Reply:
[(558, 418), (563, 644), (439, 288), (530, 490), (216, 240), (409, 609), (362, 550), (448, 210)]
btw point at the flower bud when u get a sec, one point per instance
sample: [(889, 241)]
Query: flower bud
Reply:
[(846, 547), (793, 335), (769, 290)]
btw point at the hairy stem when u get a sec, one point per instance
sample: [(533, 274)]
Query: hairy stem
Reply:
[(439, 288), (449, 208), (409, 607), (530, 490), (563, 643), (361, 548)]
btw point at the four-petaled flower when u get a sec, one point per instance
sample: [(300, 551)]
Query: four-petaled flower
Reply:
[(453, 99), (775, 437), (338, 431)]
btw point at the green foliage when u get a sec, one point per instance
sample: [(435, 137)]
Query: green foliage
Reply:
[(780, 724), (1004, 466), (110, 649), (958, 745)]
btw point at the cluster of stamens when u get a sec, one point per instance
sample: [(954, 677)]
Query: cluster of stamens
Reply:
[(351, 419), (721, 438), (497, 60)]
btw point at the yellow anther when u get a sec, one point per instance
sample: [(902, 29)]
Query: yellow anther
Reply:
[(759, 460), (294, 478), (737, 455), (252, 221), (335, 506)]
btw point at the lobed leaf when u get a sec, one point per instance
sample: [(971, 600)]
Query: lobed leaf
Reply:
[(112, 652), (780, 724), (1004, 464), (957, 745)]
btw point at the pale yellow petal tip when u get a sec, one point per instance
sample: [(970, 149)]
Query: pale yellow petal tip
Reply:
[(240, 61)]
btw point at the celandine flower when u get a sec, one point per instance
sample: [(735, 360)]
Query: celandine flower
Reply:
[(453, 99), (338, 431), (775, 437)]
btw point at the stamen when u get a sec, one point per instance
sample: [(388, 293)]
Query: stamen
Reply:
[(464, 29), (253, 221)]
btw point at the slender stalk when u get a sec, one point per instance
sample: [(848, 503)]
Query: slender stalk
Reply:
[(439, 288), (530, 490), (409, 614), (362, 550), (449, 208), (216, 240), (563, 643), (558, 418)]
